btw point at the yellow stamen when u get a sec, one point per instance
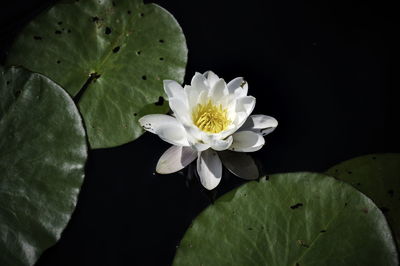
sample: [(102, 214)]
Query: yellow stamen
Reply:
[(210, 118)]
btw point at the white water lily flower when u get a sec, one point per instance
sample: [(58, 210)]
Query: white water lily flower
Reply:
[(208, 116)]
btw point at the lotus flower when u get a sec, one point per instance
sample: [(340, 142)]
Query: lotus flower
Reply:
[(209, 116)]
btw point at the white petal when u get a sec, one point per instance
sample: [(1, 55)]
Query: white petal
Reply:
[(195, 95), (240, 164), (199, 82), (180, 110), (217, 141), (238, 86), (209, 168), (219, 90), (261, 124), (228, 101), (198, 87), (193, 132), (247, 141), (194, 135), (152, 123), (211, 77), (245, 104), (174, 90), (240, 119), (221, 144), (175, 159), (242, 91), (192, 95), (166, 127), (200, 146), (202, 97), (229, 131)]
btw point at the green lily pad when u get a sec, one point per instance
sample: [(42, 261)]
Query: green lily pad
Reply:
[(378, 177), (290, 219), (111, 56), (42, 155)]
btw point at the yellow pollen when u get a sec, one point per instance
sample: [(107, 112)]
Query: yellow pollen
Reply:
[(210, 118)]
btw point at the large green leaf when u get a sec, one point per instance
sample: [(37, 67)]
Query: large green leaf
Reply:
[(378, 176), (111, 56), (290, 219), (42, 155)]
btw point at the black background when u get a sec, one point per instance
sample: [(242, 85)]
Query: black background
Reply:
[(327, 71)]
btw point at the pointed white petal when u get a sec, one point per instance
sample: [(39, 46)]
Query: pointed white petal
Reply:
[(242, 91), (219, 90), (238, 86), (221, 144), (229, 131), (245, 104), (180, 110), (228, 101), (193, 132), (192, 95), (261, 124), (199, 146), (268, 130), (202, 97), (216, 139), (211, 77), (209, 168), (194, 135), (152, 123), (240, 119), (199, 82), (247, 141), (175, 159), (174, 90), (240, 164), (166, 127)]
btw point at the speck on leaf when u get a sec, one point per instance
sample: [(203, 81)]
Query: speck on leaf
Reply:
[(116, 49), (296, 206), (160, 101)]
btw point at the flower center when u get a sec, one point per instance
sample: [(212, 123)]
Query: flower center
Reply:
[(210, 118)]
